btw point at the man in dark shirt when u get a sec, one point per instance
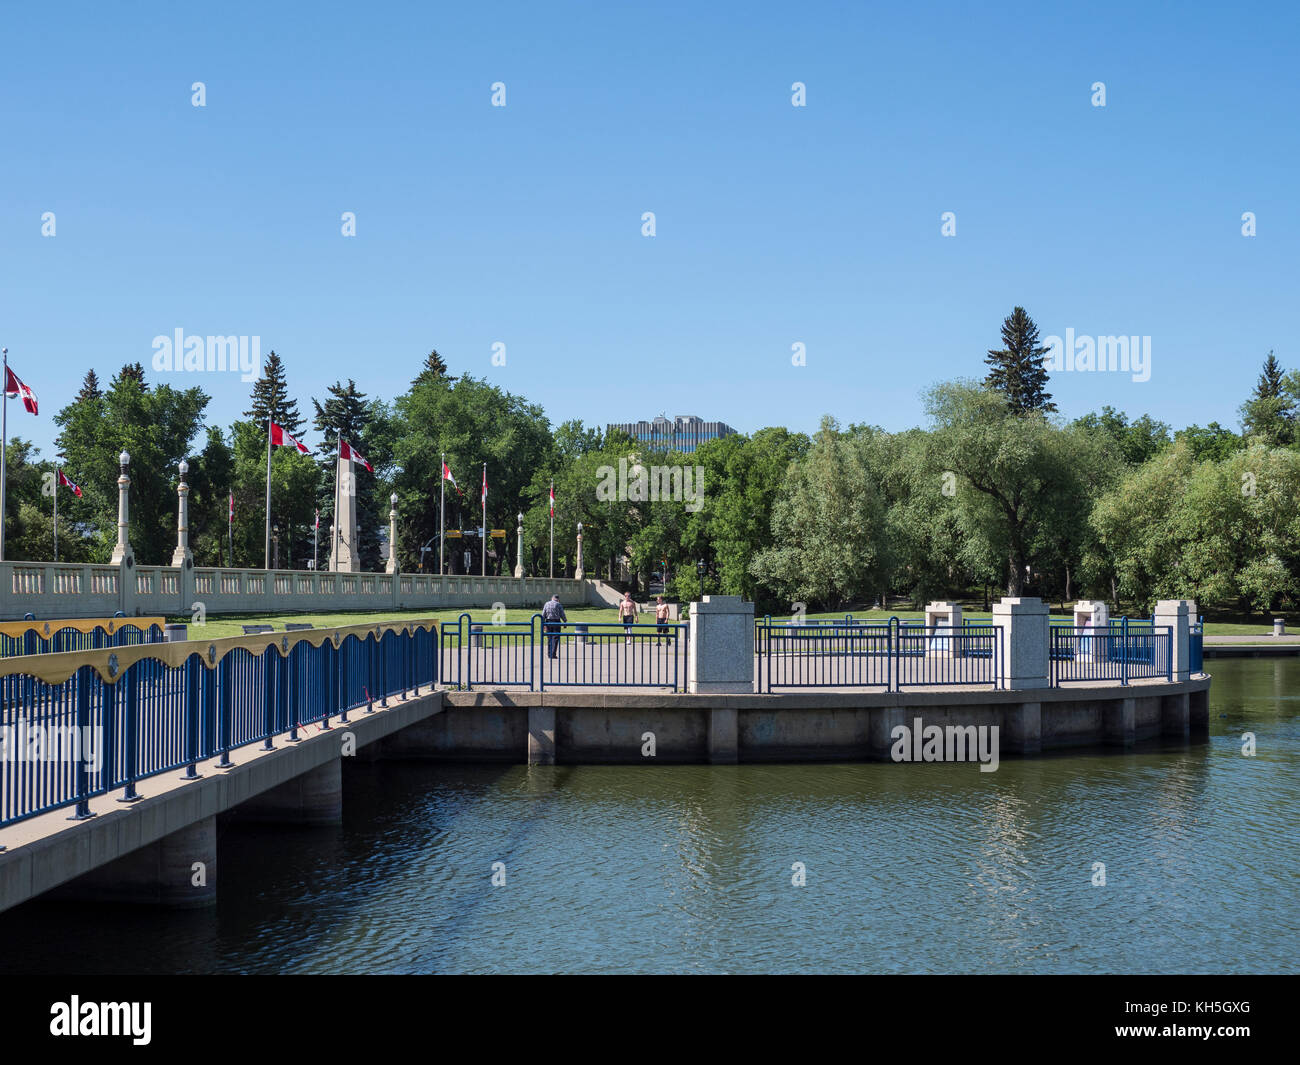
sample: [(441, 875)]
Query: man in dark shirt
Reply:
[(552, 615)]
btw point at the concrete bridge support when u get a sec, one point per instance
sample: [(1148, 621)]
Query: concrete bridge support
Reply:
[(313, 798), (541, 735), (724, 733), (1175, 715), (178, 871), (1022, 728), (1119, 724)]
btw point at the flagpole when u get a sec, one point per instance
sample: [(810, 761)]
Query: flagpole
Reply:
[(56, 517), (552, 530), (230, 527), (315, 544), (442, 509), (4, 445), (268, 493), (484, 538)]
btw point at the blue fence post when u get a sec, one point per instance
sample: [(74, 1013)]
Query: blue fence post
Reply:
[(193, 712), (346, 654), (268, 695), (226, 712), (462, 643), (1123, 652), (536, 644), (84, 677), (381, 651), (893, 662), (131, 756)]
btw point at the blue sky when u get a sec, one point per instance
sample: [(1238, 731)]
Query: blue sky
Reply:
[(775, 224)]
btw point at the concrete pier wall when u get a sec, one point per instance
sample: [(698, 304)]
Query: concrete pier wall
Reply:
[(162, 849)]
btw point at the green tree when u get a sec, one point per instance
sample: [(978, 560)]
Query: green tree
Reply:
[(434, 369), (1136, 441), (472, 422), (828, 525), (157, 427), (1212, 441), (1016, 371), (270, 398), (1010, 465), (1270, 413)]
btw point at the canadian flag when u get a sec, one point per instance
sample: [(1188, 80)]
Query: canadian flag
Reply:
[(318, 517), (232, 506), (446, 475), (485, 486), (281, 437), (76, 490), (16, 389), (347, 451), (552, 499)]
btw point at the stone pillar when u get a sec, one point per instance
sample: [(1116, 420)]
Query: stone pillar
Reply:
[(177, 871), (541, 735), (577, 570), (122, 553), (1092, 614), (314, 798), (722, 645), (1024, 624), (519, 550), (182, 556), (1176, 614), (942, 614), (345, 521), (392, 534)]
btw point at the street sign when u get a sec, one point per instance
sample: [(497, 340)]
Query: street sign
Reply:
[(498, 534), (453, 534)]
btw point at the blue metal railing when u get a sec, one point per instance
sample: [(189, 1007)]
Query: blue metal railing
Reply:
[(71, 638), (536, 654), (1125, 650), (890, 655), (105, 726)]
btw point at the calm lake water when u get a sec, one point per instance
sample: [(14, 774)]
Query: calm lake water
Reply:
[(910, 868)]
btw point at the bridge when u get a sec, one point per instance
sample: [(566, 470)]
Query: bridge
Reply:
[(117, 760)]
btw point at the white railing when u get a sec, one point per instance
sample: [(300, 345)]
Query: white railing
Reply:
[(67, 590)]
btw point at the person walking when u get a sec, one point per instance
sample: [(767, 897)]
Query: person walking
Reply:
[(627, 611), (661, 621), (552, 616)]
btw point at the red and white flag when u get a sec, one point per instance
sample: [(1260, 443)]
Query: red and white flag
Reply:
[(552, 499), (281, 437), (347, 451), (485, 486), (16, 389), (232, 506), (446, 475), (76, 491), (318, 518)]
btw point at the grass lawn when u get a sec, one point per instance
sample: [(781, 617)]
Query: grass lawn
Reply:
[(218, 626)]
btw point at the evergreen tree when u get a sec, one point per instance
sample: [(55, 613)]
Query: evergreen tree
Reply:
[(132, 371), (270, 398), (90, 386), (434, 369), (1270, 412), (1017, 371)]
